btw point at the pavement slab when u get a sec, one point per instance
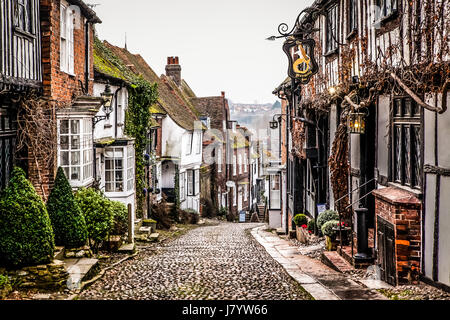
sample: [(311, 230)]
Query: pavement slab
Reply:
[(322, 282)]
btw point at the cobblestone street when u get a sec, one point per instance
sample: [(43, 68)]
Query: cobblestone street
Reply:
[(211, 262)]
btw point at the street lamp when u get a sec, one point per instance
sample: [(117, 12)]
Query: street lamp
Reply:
[(357, 122), (107, 95)]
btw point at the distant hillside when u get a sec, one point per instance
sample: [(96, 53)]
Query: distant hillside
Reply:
[(254, 116)]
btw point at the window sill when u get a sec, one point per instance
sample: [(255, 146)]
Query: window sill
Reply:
[(22, 33), (352, 34), (331, 52), (415, 192), (72, 75)]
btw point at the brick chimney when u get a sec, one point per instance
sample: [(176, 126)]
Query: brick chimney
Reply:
[(173, 70)]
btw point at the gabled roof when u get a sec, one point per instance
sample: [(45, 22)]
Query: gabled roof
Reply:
[(170, 99), (86, 10)]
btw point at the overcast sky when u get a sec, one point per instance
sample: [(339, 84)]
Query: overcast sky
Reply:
[(221, 44)]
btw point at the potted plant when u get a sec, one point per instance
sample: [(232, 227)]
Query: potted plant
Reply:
[(342, 230), (301, 221), (329, 231)]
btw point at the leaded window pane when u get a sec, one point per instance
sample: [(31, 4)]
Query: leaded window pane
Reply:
[(398, 154), (407, 154), (417, 156)]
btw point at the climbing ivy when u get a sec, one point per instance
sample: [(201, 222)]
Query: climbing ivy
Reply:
[(142, 95), (175, 209)]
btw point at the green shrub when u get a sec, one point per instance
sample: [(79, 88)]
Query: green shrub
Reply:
[(327, 228), (26, 235), (5, 286), (189, 216), (300, 219), (325, 216), (223, 212), (98, 213), (120, 218), (67, 219), (311, 225)]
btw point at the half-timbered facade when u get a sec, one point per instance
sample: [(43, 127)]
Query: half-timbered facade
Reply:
[(387, 60), (20, 74)]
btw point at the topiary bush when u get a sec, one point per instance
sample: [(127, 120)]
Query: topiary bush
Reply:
[(120, 218), (223, 212), (327, 228), (98, 213), (26, 235), (325, 216), (300, 219), (65, 214), (311, 225)]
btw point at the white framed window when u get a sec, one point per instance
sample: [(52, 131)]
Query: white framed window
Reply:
[(234, 197), (130, 168), (183, 186), (197, 182), (190, 182), (240, 163), (199, 142), (245, 192), (114, 170), (189, 143), (219, 159), (76, 149), (234, 165), (245, 163), (67, 39)]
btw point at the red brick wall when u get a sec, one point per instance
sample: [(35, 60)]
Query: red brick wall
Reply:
[(59, 85), (402, 210)]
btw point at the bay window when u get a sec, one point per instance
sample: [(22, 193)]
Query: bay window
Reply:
[(114, 170), (76, 149), (130, 168)]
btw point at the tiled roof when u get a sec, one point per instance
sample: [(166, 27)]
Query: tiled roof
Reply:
[(171, 99), (213, 107)]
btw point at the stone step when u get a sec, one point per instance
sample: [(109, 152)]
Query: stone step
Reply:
[(145, 230), (128, 248), (336, 262), (80, 270)]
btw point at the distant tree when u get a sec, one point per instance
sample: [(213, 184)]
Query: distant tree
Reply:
[(276, 105)]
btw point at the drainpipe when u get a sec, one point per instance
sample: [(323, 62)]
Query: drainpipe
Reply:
[(86, 57)]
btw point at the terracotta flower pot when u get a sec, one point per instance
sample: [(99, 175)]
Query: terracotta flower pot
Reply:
[(330, 243)]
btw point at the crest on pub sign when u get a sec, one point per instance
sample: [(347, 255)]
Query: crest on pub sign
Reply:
[(302, 64)]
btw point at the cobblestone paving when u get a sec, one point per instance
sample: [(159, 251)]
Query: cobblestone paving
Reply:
[(215, 262)]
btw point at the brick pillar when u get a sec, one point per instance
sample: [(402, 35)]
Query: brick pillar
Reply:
[(402, 209)]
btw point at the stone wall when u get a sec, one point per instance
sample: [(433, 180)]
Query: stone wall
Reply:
[(48, 276)]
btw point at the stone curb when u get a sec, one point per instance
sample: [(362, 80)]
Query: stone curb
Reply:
[(308, 282), (100, 275)]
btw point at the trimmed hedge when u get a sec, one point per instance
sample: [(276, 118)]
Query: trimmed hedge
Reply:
[(325, 216), (300, 219), (120, 218), (327, 228), (311, 225), (65, 213), (26, 235), (98, 213)]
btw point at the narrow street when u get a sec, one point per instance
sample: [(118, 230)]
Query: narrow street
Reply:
[(211, 262)]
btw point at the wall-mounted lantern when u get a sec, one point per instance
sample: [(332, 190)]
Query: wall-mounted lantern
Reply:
[(357, 122), (107, 95)]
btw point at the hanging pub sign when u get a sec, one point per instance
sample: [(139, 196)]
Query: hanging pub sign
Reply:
[(302, 64)]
